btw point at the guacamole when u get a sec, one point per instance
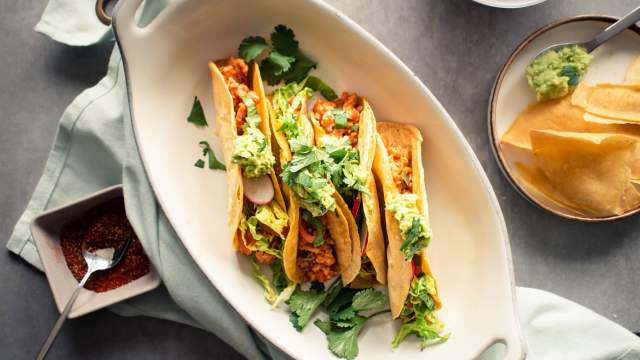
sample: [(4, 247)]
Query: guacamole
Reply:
[(413, 227), (556, 72), (252, 152)]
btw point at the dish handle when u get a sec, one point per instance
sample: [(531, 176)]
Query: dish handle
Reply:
[(124, 22), (513, 347)]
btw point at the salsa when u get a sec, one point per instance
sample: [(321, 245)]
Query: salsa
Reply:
[(103, 227)]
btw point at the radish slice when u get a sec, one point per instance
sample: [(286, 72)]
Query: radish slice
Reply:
[(258, 190)]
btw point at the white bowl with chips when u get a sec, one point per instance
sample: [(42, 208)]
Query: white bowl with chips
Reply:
[(511, 94)]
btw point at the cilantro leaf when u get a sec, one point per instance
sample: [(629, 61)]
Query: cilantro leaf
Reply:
[(341, 300), (300, 68), (251, 47), (283, 40), (196, 116), (340, 117), (302, 305), (572, 73), (214, 163), (316, 84), (268, 72), (344, 343), (281, 63), (369, 299), (199, 164), (344, 315), (413, 241), (324, 326)]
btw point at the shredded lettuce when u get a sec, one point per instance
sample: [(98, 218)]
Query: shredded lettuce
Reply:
[(272, 216)]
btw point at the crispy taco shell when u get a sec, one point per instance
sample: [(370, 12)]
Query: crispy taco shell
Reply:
[(340, 229), (227, 131), (375, 245), (399, 273)]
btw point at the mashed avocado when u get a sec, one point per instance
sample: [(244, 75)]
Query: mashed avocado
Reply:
[(252, 152), (556, 72), (414, 229)]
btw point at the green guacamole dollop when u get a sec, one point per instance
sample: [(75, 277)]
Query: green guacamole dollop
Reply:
[(414, 230), (555, 73), (252, 152)]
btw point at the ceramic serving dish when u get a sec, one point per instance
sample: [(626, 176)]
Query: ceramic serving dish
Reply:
[(166, 65), (45, 229), (511, 93), (509, 4)]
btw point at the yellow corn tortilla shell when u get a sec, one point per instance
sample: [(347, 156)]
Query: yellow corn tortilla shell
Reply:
[(337, 224), (580, 96), (591, 171), (399, 273), (615, 101), (366, 148), (227, 130), (633, 73)]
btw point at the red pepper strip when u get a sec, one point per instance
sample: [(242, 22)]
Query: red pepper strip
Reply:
[(356, 207), (366, 242), (413, 270)]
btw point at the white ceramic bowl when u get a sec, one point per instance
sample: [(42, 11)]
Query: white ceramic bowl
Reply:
[(511, 93), (45, 229), (166, 65), (509, 4)]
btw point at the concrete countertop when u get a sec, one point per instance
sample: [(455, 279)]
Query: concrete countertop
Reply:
[(455, 46)]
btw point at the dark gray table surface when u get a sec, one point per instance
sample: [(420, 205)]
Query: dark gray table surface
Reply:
[(455, 46)]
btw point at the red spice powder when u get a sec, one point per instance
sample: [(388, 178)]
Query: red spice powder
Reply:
[(105, 226)]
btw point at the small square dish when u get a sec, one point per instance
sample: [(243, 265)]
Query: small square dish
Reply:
[(46, 230)]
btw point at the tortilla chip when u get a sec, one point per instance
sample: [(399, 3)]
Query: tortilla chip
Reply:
[(633, 72), (616, 101), (399, 273), (581, 94), (591, 171)]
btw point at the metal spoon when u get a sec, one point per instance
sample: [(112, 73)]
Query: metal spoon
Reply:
[(608, 33), (94, 263)]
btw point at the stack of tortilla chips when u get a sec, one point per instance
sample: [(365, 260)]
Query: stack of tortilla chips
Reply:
[(581, 152)]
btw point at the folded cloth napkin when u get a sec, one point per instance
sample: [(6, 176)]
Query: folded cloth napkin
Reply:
[(95, 148)]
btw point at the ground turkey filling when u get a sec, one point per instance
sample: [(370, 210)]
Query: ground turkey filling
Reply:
[(236, 75), (323, 111), (317, 263), (401, 168)]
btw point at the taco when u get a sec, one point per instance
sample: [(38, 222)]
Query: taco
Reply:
[(346, 129), (258, 221), (413, 292), (319, 244)]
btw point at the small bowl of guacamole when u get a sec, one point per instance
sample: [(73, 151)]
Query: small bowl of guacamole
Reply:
[(556, 73)]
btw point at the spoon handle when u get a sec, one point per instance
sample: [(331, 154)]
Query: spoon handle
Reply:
[(614, 29), (63, 316)]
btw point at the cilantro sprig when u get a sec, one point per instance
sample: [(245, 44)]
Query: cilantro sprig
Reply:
[(346, 319), (414, 239), (283, 61)]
